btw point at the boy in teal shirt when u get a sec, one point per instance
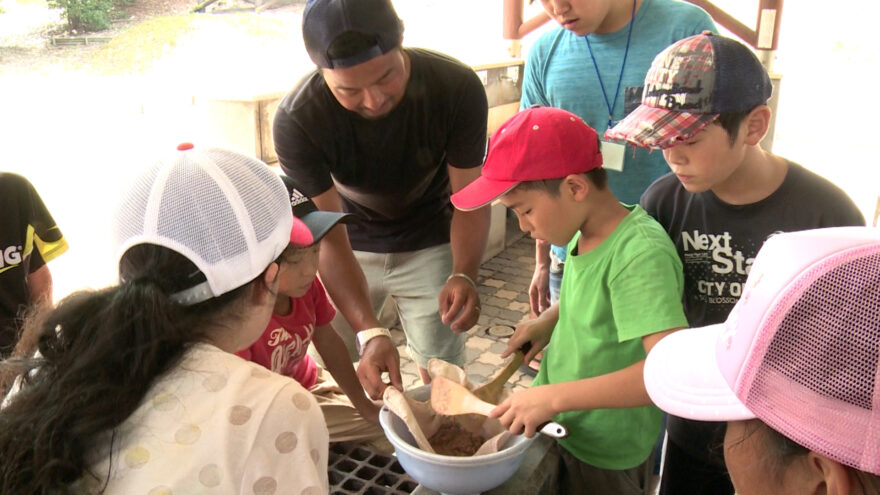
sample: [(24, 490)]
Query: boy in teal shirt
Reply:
[(621, 294)]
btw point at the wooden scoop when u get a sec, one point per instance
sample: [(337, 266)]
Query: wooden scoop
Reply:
[(451, 399), (491, 391)]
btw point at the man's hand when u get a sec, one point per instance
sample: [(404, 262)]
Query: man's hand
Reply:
[(377, 356), (459, 304), (525, 411)]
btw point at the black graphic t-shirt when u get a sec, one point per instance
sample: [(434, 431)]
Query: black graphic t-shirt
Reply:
[(718, 242), (28, 239), (391, 172)]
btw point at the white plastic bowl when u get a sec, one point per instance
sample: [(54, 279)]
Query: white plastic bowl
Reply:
[(450, 474)]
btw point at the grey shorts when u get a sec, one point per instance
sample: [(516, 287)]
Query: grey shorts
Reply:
[(413, 280)]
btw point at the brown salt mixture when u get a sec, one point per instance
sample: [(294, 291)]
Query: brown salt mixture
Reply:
[(452, 439)]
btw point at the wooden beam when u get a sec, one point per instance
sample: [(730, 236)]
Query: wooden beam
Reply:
[(769, 17), (769, 41)]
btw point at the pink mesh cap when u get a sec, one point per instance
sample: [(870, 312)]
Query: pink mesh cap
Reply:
[(799, 351), (229, 214)]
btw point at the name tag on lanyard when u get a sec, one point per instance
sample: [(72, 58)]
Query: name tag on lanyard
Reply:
[(612, 153), (612, 156)]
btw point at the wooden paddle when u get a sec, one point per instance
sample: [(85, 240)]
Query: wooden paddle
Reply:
[(491, 391), (451, 399)]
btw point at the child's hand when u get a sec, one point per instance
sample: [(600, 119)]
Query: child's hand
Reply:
[(539, 291), (535, 332), (526, 410)]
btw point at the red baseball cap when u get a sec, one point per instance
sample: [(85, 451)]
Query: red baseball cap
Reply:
[(535, 144)]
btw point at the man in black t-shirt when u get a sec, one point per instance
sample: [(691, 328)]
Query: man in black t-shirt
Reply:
[(388, 133), (705, 106), (29, 239)]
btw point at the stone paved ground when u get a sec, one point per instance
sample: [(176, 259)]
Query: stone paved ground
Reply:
[(503, 285)]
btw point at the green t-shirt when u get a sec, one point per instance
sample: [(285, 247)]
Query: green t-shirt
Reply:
[(627, 287)]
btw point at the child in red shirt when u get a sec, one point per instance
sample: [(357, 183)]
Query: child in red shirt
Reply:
[(302, 314)]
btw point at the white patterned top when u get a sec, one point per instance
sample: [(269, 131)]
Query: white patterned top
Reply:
[(218, 424)]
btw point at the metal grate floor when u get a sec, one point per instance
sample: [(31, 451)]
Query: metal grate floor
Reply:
[(357, 470)]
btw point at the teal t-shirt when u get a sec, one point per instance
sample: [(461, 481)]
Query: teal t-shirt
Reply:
[(560, 73), (627, 287)]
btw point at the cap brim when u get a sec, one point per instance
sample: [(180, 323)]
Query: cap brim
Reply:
[(683, 379), (481, 192), (320, 222), (658, 128)]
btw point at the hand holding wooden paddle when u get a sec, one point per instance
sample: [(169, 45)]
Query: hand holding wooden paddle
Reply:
[(491, 391), (450, 398)]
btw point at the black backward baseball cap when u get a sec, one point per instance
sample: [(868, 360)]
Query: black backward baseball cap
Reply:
[(319, 222), (325, 20)]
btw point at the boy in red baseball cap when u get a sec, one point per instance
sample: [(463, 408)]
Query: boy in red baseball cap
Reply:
[(621, 293)]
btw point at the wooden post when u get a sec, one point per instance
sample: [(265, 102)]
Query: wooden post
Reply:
[(765, 35)]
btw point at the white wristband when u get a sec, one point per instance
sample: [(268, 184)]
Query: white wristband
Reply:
[(365, 336), (464, 276)]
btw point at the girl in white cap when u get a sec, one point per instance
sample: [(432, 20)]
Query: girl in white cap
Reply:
[(795, 369), (134, 388)]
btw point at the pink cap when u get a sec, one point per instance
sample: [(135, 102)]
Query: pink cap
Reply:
[(300, 235), (535, 144), (799, 351)]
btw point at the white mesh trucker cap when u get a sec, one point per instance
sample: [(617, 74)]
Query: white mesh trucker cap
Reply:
[(800, 350), (229, 214)]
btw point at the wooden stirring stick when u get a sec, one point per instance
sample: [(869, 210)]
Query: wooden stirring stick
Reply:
[(451, 399), (491, 391)]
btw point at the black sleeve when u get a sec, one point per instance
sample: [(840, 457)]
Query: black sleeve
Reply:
[(836, 208), (467, 142), (36, 261), (48, 241), (842, 212), (652, 197), (298, 152), (39, 215)]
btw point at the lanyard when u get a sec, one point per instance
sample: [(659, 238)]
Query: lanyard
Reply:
[(610, 105)]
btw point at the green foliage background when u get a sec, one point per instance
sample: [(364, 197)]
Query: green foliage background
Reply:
[(86, 15)]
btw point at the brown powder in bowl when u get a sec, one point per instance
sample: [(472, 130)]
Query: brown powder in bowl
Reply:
[(452, 439)]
